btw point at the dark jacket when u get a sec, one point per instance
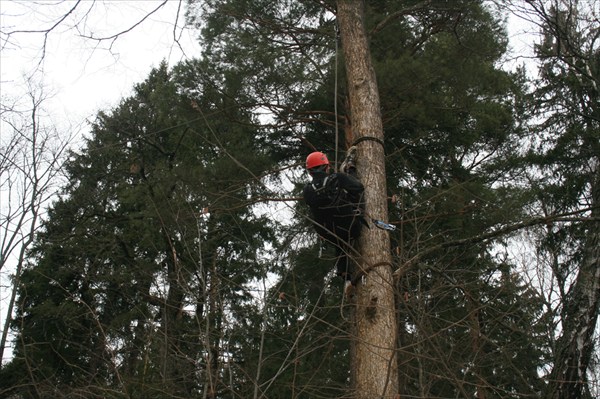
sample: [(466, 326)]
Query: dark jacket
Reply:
[(335, 202)]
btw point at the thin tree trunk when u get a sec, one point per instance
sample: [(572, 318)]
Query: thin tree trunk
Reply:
[(212, 326), (575, 346), (11, 305), (374, 367)]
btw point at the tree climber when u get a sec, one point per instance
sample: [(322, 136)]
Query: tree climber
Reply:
[(336, 204)]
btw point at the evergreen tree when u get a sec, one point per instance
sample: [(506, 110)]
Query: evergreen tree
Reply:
[(451, 123), (566, 155), (452, 128), (126, 292)]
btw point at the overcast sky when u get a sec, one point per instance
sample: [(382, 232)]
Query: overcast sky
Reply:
[(82, 74)]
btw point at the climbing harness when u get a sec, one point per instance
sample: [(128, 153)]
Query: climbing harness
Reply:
[(329, 190), (335, 90)]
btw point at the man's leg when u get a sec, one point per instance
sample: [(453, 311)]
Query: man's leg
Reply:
[(342, 263), (345, 268)]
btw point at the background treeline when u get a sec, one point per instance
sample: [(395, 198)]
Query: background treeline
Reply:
[(177, 261)]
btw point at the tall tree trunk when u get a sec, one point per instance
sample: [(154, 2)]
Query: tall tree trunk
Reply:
[(374, 367), (575, 346)]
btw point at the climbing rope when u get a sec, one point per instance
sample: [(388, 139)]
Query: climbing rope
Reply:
[(335, 90), (371, 138), (366, 270)]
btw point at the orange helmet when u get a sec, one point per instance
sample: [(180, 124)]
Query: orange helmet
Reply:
[(315, 159)]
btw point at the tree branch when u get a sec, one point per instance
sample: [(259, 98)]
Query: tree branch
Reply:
[(562, 218)]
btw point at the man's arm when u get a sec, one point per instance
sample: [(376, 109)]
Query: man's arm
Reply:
[(350, 183)]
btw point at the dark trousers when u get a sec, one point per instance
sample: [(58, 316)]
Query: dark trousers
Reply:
[(344, 263), (344, 248)]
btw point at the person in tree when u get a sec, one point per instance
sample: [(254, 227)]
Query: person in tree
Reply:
[(336, 204)]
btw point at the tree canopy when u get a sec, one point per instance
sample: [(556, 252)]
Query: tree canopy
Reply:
[(178, 261)]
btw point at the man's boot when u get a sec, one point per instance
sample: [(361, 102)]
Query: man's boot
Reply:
[(349, 289)]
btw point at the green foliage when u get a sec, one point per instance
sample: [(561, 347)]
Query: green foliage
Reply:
[(452, 129), (127, 270)]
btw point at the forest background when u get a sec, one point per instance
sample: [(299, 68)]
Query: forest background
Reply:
[(177, 261)]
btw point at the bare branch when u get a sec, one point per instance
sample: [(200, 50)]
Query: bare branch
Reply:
[(45, 31), (500, 232), (400, 13), (115, 36)]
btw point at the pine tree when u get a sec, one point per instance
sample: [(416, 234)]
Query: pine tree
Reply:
[(451, 128), (151, 240)]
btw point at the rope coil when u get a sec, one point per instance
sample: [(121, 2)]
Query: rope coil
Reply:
[(368, 138)]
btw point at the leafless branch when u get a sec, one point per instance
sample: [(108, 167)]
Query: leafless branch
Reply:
[(503, 231), (115, 36)]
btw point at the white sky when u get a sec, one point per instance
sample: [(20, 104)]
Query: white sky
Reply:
[(84, 75)]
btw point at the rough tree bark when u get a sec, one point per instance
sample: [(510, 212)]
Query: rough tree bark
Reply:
[(374, 367)]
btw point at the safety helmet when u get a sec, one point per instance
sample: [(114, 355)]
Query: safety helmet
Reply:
[(315, 159)]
